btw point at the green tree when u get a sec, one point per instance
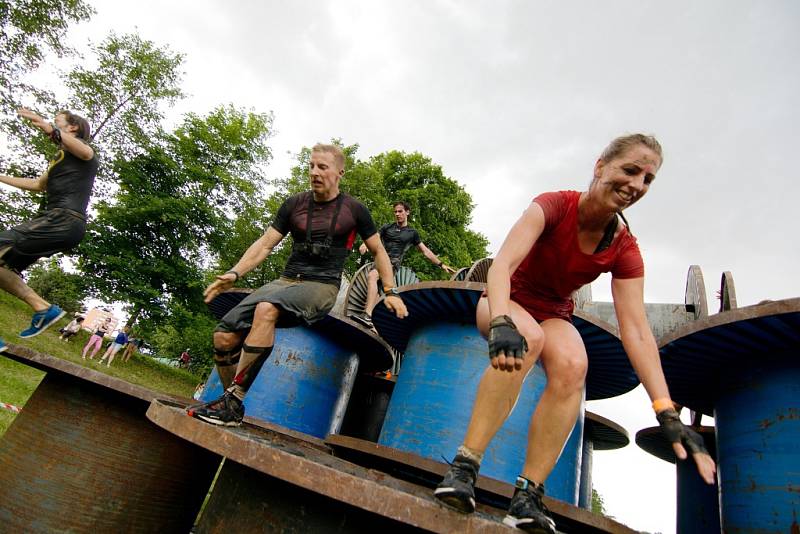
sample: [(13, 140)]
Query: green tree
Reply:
[(29, 30), (598, 506), (123, 93), (149, 247), (183, 330), (441, 210), (54, 284)]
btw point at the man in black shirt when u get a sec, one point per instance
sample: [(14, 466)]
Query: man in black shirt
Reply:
[(397, 238), (323, 223), (68, 182)]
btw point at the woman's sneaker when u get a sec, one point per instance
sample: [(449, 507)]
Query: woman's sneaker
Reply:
[(527, 511), (225, 411), (43, 319), (457, 489)]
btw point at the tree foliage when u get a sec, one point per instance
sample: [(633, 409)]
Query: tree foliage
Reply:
[(183, 330), (148, 248), (441, 210), (54, 284), (598, 506), (124, 94), (29, 30)]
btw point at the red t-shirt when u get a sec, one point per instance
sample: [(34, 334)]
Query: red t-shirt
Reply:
[(555, 266)]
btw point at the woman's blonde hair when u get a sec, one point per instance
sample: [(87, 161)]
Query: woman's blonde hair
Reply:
[(621, 144)]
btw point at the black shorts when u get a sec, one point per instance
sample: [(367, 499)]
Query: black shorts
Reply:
[(55, 230)]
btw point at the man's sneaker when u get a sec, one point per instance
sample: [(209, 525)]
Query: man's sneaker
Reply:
[(457, 490), (225, 411), (527, 512), (363, 319), (41, 320), (3, 345)]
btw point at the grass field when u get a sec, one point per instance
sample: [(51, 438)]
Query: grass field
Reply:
[(18, 381)]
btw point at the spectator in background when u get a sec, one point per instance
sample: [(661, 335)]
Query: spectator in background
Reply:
[(120, 341), (71, 329), (184, 359), (96, 339), (131, 348)]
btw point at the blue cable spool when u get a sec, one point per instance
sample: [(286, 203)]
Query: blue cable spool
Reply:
[(697, 502), (299, 385), (432, 401), (306, 382), (742, 366), (758, 440), (599, 434)]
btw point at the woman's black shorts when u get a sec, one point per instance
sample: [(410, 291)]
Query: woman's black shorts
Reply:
[(55, 230)]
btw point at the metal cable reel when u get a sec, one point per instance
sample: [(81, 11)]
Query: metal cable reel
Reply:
[(356, 298), (727, 293), (339, 306), (479, 271), (696, 301), (460, 275)]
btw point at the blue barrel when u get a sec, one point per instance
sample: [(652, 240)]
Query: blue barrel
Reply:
[(698, 502), (432, 401), (303, 386), (758, 447)]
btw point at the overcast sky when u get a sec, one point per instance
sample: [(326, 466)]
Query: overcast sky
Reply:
[(516, 98)]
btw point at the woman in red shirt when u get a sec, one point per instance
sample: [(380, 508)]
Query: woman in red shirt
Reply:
[(562, 241)]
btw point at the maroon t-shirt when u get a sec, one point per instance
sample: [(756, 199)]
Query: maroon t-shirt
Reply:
[(555, 266)]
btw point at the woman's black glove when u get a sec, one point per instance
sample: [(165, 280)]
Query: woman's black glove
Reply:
[(676, 432), (504, 337)]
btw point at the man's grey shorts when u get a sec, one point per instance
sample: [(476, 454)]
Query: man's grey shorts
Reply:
[(302, 301)]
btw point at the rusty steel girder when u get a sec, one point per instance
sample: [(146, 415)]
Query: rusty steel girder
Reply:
[(82, 457)]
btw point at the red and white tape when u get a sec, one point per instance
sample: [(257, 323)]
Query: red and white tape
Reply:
[(10, 407)]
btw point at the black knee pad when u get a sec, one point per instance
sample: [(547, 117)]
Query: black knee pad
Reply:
[(225, 358), (246, 376)]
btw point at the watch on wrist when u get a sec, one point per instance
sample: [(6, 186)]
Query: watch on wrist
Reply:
[(391, 291)]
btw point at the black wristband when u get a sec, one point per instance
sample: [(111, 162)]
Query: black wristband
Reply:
[(234, 273), (440, 264)]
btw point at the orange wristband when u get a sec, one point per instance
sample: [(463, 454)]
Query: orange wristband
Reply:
[(664, 403)]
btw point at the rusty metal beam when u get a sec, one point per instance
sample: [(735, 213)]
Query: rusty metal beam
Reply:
[(316, 472), (82, 457), (491, 492)]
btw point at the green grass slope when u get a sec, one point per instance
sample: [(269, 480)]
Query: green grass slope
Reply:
[(18, 381)]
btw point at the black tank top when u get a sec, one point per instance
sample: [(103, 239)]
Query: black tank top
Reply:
[(69, 181)]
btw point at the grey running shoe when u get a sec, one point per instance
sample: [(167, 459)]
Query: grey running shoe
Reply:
[(527, 512), (457, 490), (225, 411)]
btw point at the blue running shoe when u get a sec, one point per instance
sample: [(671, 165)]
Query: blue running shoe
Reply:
[(3, 345), (42, 320)]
